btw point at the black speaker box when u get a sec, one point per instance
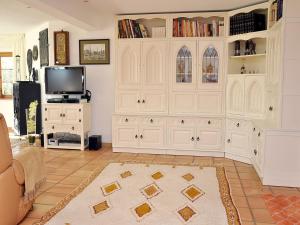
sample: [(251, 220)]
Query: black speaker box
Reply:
[(95, 142)]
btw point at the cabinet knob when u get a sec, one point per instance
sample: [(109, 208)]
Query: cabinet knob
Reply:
[(198, 138), (79, 110), (238, 125), (151, 121), (72, 128), (255, 152), (254, 129), (258, 134), (192, 138), (46, 119), (141, 136), (52, 127), (228, 140), (182, 121), (209, 122), (126, 120), (136, 136), (45, 109), (271, 108), (143, 101), (139, 101), (61, 115), (79, 120)]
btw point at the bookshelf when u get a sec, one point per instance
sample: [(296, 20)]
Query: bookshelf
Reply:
[(198, 27), (142, 28)]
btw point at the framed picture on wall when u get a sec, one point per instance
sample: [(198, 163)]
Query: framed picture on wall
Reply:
[(44, 48), (94, 51), (61, 48)]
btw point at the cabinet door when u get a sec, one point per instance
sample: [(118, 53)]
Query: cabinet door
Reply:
[(72, 114), (154, 64), (154, 102), (152, 136), (126, 136), (254, 96), (210, 103), (210, 61), (128, 101), (183, 102), (53, 114), (128, 64), (237, 143), (208, 139), (182, 137), (184, 65), (235, 95)]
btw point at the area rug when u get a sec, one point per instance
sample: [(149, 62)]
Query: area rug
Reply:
[(149, 194)]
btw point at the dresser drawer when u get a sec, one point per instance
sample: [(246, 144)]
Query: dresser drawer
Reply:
[(126, 120), (210, 123), (188, 122), (153, 121), (65, 128), (241, 125)]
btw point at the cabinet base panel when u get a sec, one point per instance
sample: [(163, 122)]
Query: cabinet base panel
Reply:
[(238, 158), (169, 151)]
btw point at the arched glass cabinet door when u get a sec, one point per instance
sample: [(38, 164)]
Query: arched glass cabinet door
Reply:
[(210, 66), (184, 66)]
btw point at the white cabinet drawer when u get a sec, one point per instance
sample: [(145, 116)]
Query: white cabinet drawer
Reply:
[(65, 128), (210, 123), (126, 120), (153, 121), (188, 122), (237, 125)]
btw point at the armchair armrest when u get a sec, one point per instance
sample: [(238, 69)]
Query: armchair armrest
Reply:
[(19, 172)]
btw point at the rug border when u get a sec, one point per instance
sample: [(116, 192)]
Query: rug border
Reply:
[(233, 217)]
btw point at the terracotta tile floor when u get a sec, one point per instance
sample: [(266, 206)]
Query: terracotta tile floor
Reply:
[(66, 169)]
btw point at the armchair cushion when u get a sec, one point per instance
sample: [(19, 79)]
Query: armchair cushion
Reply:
[(19, 172), (5, 148)]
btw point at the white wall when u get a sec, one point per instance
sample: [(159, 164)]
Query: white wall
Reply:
[(100, 78), (6, 105)]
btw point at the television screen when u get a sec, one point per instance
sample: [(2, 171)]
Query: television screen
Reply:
[(65, 80)]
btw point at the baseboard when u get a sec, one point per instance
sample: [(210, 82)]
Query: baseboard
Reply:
[(107, 145), (238, 158)]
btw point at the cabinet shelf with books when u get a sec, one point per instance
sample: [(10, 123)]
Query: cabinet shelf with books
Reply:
[(198, 26), (142, 27), (248, 20)]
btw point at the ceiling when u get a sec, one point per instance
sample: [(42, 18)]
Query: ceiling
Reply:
[(15, 16)]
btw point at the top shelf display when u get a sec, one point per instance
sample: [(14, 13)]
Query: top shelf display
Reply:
[(253, 21), (198, 27), (275, 12), (142, 28)]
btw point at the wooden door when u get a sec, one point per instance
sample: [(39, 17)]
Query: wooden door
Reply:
[(182, 138)]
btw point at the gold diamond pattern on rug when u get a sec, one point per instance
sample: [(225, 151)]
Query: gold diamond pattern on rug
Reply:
[(186, 213), (156, 176), (142, 210), (188, 177), (100, 207), (126, 174), (151, 191), (192, 193), (110, 188)]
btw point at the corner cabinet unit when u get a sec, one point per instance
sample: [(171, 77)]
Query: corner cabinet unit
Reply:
[(67, 118), (200, 84)]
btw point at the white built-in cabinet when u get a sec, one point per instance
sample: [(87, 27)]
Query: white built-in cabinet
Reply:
[(188, 95)]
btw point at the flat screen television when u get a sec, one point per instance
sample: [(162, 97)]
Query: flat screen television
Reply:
[(65, 80)]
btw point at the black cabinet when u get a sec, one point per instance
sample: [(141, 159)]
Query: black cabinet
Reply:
[(25, 92)]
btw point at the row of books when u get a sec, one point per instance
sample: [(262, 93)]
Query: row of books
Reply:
[(247, 22), (184, 27), (131, 29), (276, 10)]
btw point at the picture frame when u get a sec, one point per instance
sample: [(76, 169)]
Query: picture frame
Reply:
[(44, 48), (61, 48), (94, 51)]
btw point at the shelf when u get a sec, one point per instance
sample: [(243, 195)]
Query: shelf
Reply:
[(248, 36), (247, 74), (248, 56)]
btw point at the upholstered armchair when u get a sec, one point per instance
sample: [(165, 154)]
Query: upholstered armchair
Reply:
[(13, 207)]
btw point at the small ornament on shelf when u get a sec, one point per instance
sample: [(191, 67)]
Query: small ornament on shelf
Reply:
[(237, 48), (243, 69)]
